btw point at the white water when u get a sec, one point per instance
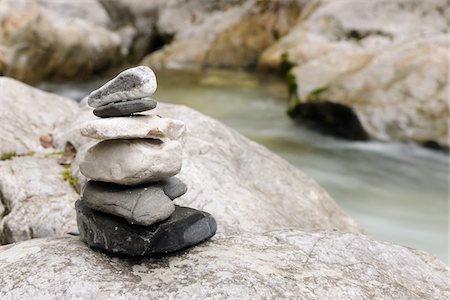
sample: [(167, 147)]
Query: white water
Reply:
[(397, 192)]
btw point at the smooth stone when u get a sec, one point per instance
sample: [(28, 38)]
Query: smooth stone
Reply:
[(131, 161), (135, 83), (173, 187), (139, 126), (185, 227), (124, 108), (142, 205)]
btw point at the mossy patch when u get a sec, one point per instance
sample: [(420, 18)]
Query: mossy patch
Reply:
[(317, 93), (67, 176), (11, 155), (47, 155)]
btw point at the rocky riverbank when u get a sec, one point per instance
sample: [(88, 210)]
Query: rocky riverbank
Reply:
[(227, 176), (357, 70)]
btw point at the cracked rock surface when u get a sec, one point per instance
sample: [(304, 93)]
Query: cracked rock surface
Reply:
[(37, 200), (277, 264)]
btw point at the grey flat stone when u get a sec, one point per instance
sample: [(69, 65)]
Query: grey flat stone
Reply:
[(143, 204), (173, 187), (125, 108), (134, 83), (185, 227)]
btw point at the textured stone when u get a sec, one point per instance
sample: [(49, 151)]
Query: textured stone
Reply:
[(135, 83), (173, 187), (131, 161), (385, 61), (185, 227), (282, 264), (38, 202), (143, 205), (26, 114), (138, 126), (125, 108), (49, 31)]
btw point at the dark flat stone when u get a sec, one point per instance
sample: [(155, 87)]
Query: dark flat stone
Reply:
[(184, 228), (125, 108)]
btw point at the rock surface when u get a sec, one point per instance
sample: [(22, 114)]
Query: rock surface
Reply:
[(275, 265), (126, 108), (44, 39), (224, 34), (22, 126), (184, 228), (135, 83), (142, 205), (152, 126), (131, 161), (374, 58), (37, 200)]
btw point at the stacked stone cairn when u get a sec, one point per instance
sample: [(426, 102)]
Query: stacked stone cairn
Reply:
[(126, 207)]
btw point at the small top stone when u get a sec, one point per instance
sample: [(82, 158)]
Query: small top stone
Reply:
[(134, 83)]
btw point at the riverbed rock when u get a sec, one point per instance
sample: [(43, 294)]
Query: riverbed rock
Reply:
[(65, 39), (22, 126), (138, 126), (38, 201), (184, 228), (131, 162), (224, 172), (135, 83), (125, 108), (142, 205), (230, 34), (279, 264), (373, 59)]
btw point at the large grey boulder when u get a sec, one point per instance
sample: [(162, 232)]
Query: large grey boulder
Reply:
[(227, 175), (42, 39), (275, 265), (386, 61), (38, 202), (28, 113), (241, 183), (224, 34)]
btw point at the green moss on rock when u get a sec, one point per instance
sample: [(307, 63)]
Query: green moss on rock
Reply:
[(67, 176)]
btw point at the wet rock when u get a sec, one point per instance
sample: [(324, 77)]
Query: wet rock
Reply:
[(131, 161), (185, 227), (142, 205), (135, 83), (125, 108), (139, 126)]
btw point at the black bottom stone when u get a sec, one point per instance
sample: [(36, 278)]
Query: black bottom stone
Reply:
[(184, 228), (125, 108)]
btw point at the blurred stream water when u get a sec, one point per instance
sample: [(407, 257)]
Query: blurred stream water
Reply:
[(397, 192)]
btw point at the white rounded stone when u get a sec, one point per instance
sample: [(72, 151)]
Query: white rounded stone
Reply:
[(134, 83), (132, 161), (151, 126)]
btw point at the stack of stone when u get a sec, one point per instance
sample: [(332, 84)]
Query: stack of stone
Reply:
[(127, 207)]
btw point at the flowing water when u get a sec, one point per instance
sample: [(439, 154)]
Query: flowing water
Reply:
[(397, 192)]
